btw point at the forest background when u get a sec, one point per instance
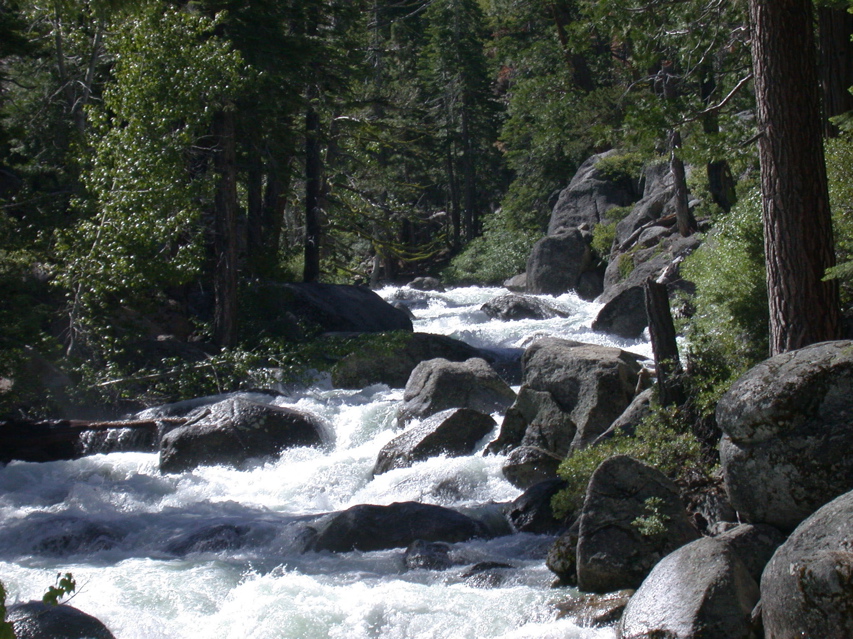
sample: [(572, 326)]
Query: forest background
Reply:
[(157, 158)]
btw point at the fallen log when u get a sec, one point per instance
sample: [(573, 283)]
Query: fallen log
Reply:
[(53, 440)]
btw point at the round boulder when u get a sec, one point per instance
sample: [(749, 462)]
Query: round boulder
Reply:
[(37, 620), (788, 430), (453, 432), (438, 384), (807, 588), (632, 517), (702, 589), (236, 430)]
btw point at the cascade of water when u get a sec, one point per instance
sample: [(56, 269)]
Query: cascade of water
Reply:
[(216, 551)]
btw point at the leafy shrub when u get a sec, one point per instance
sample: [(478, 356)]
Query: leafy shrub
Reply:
[(729, 330), (602, 239), (623, 165), (663, 440), (500, 253), (839, 166)]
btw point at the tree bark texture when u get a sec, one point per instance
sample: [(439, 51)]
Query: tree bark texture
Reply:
[(798, 240), (836, 63), (225, 231)]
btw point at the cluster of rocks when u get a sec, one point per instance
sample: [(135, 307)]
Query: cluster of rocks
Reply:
[(786, 572), (646, 245)]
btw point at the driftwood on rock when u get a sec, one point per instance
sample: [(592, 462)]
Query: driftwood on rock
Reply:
[(52, 440)]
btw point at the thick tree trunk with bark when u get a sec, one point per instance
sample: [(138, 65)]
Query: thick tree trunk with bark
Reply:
[(798, 240), (225, 231)]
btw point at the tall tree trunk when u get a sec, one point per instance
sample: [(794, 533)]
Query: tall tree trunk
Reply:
[(798, 241), (255, 254), (313, 169), (225, 231), (836, 64)]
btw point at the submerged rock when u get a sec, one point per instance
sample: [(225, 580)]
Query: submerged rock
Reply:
[(369, 527), (519, 307)]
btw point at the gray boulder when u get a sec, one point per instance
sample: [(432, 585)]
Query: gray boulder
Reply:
[(427, 555), (426, 284), (701, 590), (292, 310), (754, 545), (788, 430), (438, 384), (517, 283), (590, 195), (236, 430), (529, 465), (556, 262), (394, 361), (639, 408), (595, 611), (37, 620), (807, 588), (531, 511), (453, 432), (519, 307), (624, 314), (591, 384), (614, 550), (535, 419), (368, 527)]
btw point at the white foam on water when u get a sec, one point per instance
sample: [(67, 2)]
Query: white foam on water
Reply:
[(118, 525)]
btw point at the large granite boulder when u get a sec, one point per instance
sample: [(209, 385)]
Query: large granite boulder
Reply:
[(37, 620), (788, 430), (556, 262), (703, 589), (590, 195), (236, 430), (293, 310), (571, 393), (807, 588), (392, 363), (368, 527), (438, 384), (454, 432), (615, 549), (519, 307)]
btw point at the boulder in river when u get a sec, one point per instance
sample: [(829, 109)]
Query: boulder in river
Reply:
[(556, 262), (37, 620), (632, 517), (518, 307), (236, 430), (453, 432), (807, 587), (531, 511), (438, 384), (369, 527), (571, 393), (788, 432), (526, 466)]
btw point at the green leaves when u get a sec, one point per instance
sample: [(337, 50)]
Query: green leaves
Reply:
[(64, 586)]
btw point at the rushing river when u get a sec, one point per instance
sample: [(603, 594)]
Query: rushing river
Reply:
[(122, 528)]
